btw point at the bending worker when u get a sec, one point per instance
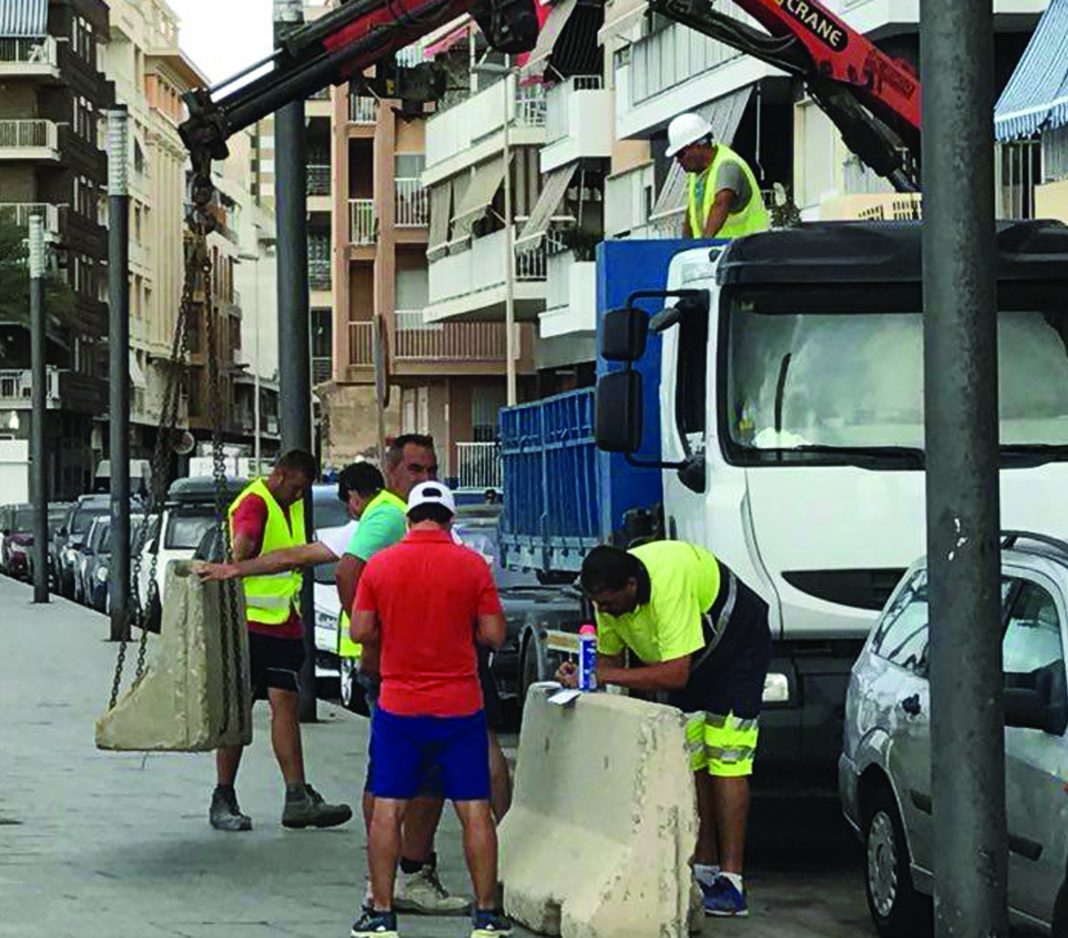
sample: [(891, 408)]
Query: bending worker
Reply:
[(724, 197), (701, 635)]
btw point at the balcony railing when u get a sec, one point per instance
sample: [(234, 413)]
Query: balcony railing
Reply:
[(318, 179), (556, 110), (531, 265), (478, 466), (16, 387), (18, 213), (363, 224), (319, 273), (19, 134), (322, 369), (412, 204), (362, 110), (28, 51), (412, 340)]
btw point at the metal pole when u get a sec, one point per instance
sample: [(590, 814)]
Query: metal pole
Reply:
[(39, 373), (509, 250), (257, 446), (961, 407), (294, 365), (119, 368)]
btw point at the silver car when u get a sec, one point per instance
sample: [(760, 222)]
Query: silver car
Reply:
[(885, 769)]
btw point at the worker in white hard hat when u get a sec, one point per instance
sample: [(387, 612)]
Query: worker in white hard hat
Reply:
[(724, 197)]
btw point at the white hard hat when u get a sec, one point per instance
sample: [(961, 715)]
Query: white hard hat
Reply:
[(686, 129)]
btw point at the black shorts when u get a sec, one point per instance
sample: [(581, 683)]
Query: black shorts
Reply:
[(731, 678), (274, 662)]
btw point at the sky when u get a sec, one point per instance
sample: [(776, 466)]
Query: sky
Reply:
[(223, 36)]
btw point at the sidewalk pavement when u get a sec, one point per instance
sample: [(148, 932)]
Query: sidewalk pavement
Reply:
[(96, 844)]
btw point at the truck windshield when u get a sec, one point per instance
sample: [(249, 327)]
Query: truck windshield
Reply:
[(832, 388)]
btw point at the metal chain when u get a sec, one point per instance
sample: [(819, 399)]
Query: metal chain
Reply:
[(197, 272)]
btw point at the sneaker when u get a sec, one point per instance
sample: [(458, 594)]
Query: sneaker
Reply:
[(368, 896), (724, 899), (490, 924), (374, 924), (423, 894), (311, 811), (225, 815)]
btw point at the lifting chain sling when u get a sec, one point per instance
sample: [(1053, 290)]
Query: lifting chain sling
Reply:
[(197, 281)]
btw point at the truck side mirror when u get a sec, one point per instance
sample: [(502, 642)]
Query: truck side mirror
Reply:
[(623, 334), (619, 412)]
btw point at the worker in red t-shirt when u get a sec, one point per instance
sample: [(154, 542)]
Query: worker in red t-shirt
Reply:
[(267, 516), (427, 601)]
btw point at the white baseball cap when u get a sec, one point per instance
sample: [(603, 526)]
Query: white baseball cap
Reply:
[(431, 493)]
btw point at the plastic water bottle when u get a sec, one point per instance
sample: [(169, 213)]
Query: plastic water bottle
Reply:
[(587, 655)]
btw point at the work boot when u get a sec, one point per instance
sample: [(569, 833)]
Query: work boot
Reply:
[(423, 894), (225, 815), (305, 808)]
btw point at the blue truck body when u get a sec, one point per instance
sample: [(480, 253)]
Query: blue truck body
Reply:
[(564, 496)]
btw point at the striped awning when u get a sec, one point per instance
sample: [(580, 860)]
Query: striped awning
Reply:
[(24, 18), (1036, 97)]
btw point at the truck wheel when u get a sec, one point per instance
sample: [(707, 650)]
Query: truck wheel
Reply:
[(532, 666), (897, 909)]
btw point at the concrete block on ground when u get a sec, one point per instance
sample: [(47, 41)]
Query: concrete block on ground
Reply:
[(181, 704), (603, 823)]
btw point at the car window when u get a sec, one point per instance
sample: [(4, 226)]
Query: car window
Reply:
[(329, 513), (186, 528), (84, 516), (902, 631), (324, 573), (23, 520), (1033, 633)]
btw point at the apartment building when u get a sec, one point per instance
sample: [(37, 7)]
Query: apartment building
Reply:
[(53, 95)]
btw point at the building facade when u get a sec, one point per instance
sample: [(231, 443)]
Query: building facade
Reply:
[(53, 95)]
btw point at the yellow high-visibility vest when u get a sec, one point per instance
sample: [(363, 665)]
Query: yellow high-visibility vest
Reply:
[(751, 219), (346, 647), (269, 599)]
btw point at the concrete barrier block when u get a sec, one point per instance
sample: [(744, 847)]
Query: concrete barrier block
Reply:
[(180, 704), (603, 822)]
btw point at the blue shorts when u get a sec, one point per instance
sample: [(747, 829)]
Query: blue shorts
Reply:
[(405, 750)]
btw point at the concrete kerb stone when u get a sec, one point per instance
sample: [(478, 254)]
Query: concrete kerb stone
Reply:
[(603, 823)]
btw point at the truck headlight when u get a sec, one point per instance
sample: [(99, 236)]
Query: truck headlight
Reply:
[(776, 688)]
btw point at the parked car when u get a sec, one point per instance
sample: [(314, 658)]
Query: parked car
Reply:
[(188, 515), (329, 516), (17, 540), (885, 767), (85, 552), (96, 576), (70, 536)]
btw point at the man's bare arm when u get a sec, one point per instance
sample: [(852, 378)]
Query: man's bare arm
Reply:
[(364, 627), (567, 673), (347, 578), (491, 630), (664, 675), (277, 561), (721, 208)]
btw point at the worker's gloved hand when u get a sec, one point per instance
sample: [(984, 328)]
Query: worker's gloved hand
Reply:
[(215, 571), (567, 674)]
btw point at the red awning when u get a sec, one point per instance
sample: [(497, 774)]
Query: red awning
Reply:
[(459, 34)]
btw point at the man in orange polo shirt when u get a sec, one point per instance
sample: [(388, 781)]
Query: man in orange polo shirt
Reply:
[(426, 602)]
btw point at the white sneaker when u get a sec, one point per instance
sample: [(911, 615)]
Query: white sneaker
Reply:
[(423, 894), (368, 896)]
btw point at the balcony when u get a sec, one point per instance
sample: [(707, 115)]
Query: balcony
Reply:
[(318, 176), (363, 222), (571, 297), (472, 131), (471, 283), (18, 213), (678, 69), (411, 204), (29, 140), (29, 57), (478, 466), (578, 122), (140, 254), (362, 110), (319, 277), (413, 341), (322, 369), (69, 390)]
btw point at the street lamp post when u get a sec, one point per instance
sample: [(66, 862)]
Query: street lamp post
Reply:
[(256, 443), (39, 372), (509, 247)]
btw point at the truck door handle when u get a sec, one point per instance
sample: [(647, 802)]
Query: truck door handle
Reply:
[(911, 705)]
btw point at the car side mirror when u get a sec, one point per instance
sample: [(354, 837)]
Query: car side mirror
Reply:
[(63, 532), (619, 412), (623, 334)]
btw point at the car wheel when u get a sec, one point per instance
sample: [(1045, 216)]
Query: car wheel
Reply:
[(352, 695), (897, 909)]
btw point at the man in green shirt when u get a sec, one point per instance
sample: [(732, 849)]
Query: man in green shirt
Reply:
[(700, 635)]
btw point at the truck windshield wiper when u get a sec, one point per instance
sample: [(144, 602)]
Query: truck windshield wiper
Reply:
[(878, 457), (1032, 454)]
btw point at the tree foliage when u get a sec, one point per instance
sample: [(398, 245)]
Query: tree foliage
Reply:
[(15, 281)]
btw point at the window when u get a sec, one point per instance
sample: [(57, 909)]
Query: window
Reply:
[(1033, 635), (692, 369), (902, 633), (409, 165)]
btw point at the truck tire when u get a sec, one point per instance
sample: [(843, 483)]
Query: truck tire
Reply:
[(897, 909), (533, 664)]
